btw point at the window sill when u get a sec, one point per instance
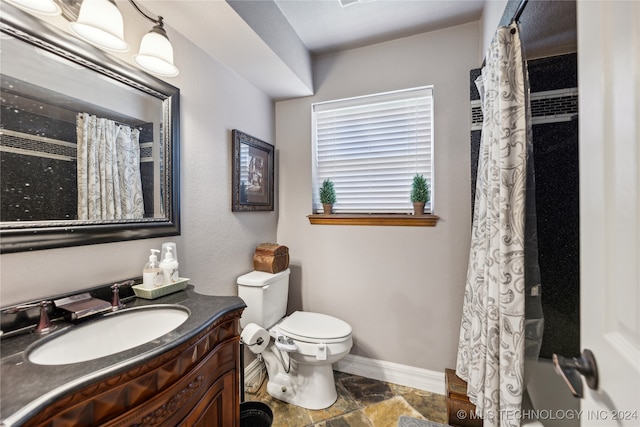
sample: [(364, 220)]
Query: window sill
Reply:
[(426, 220)]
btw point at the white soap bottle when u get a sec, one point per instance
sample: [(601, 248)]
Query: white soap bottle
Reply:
[(165, 247), (169, 267), (152, 273)]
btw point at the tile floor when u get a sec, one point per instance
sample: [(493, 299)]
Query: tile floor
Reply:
[(362, 402)]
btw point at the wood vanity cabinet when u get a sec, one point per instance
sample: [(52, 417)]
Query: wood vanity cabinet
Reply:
[(195, 384)]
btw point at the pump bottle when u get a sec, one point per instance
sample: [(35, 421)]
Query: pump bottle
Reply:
[(152, 274), (169, 267)]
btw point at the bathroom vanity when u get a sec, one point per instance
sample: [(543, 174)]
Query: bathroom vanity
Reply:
[(187, 377)]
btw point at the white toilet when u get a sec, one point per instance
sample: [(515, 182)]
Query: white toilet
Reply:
[(299, 349)]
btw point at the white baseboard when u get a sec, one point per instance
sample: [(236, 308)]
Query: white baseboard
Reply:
[(253, 372), (422, 379)]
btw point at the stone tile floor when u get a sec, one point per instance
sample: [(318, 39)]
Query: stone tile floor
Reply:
[(362, 402)]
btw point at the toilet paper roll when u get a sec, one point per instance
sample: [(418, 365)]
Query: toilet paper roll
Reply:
[(255, 338)]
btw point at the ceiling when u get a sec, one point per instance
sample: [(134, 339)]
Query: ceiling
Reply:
[(325, 25), (277, 34), (272, 43), (283, 36), (548, 27)]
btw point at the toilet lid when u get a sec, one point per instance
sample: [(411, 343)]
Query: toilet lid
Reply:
[(308, 326), (260, 278)]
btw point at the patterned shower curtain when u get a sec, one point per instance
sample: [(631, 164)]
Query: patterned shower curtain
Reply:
[(109, 183), (503, 268)]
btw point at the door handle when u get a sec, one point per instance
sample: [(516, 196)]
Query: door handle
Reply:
[(570, 370)]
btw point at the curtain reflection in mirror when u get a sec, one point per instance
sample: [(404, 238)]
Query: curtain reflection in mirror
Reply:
[(108, 167)]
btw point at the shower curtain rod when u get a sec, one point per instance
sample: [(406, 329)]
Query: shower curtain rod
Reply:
[(521, 6), (516, 18)]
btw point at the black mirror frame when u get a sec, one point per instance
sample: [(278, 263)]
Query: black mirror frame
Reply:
[(21, 237)]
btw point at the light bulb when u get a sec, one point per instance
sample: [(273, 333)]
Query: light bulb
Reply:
[(100, 23), (156, 53)]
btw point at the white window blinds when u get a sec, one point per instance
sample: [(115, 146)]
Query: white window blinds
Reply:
[(371, 147)]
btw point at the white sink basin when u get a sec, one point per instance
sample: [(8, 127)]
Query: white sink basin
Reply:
[(112, 334)]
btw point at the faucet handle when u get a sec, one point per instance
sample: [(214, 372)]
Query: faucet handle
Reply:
[(116, 304), (44, 324), (126, 283)]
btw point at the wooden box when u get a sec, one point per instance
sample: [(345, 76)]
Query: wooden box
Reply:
[(271, 258), (460, 411)]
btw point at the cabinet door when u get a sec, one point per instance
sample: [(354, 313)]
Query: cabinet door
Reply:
[(218, 407)]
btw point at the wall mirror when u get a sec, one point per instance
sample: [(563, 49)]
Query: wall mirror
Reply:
[(89, 145)]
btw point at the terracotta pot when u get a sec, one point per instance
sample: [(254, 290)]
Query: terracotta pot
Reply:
[(328, 208), (418, 208)]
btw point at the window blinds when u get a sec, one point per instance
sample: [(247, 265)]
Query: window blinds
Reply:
[(371, 148)]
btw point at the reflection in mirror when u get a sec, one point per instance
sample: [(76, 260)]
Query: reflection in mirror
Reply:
[(85, 143), (44, 112)]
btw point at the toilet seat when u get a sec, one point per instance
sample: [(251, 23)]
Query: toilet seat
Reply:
[(314, 328)]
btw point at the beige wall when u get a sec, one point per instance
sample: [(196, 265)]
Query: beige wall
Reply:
[(491, 16), (216, 245), (400, 288)]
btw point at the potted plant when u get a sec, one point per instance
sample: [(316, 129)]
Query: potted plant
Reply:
[(327, 196), (419, 194)]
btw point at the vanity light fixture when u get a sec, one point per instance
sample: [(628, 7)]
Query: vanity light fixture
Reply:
[(100, 23), (156, 52)]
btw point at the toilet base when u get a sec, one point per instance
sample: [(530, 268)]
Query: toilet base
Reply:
[(308, 386)]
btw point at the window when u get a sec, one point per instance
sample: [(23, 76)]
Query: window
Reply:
[(371, 147)]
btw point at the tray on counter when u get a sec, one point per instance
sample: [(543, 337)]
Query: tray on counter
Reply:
[(160, 291)]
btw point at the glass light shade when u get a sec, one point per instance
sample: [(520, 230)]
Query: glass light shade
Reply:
[(43, 7), (156, 55), (100, 23)]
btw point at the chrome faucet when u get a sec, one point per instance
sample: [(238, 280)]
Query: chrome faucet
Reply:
[(116, 304), (44, 324)]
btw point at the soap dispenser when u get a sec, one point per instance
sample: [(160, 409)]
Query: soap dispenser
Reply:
[(165, 249), (169, 267), (152, 274)]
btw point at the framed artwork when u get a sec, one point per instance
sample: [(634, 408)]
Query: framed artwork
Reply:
[(253, 172)]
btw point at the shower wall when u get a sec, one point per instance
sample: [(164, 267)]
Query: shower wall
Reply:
[(554, 105), (38, 165)]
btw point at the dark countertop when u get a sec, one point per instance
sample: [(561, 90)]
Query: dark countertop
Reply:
[(26, 388)]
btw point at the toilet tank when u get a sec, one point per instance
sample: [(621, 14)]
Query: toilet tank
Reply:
[(266, 297)]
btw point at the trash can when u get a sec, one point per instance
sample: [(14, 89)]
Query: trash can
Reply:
[(255, 414)]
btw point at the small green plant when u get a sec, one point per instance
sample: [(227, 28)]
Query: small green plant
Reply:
[(327, 193), (419, 189)]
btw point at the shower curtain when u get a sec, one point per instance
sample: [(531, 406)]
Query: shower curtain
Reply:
[(109, 183), (499, 329)]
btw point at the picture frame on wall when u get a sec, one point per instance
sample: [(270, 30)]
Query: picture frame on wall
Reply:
[(253, 173)]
